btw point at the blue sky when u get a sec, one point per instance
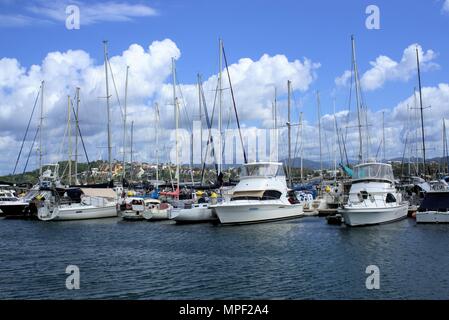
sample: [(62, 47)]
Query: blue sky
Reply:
[(318, 30)]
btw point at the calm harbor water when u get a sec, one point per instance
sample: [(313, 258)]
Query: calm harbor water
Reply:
[(298, 259)]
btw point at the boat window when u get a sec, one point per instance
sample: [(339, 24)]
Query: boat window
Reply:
[(390, 198), (262, 170), (271, 195), (379, 171)]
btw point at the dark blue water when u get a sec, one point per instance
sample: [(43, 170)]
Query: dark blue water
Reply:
[(299, 259)]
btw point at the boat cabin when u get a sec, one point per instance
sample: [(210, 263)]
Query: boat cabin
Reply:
[(435, 201), (262, 169), (377, 172)]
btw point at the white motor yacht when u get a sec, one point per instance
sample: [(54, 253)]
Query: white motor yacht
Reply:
[(373, 198), (261, 195)]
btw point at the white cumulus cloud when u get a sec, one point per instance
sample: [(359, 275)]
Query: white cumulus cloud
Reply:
[(149, 82), (384, 69)]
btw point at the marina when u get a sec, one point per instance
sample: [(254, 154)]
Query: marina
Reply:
[(147, 163)]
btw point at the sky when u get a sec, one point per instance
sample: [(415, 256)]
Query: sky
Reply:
[(266, 42)]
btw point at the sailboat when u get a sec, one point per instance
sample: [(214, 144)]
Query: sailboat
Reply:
[(373, 198), (95, 203)]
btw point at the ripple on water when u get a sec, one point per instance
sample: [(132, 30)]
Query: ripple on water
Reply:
[(298, 259)]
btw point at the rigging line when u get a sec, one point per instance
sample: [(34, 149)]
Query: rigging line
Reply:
[(226, 131), (26, 132), (81, 138), (31, 150), (115, 88), (349, 99), (297, 128), (210, 140), (184, 106), (235, 107)]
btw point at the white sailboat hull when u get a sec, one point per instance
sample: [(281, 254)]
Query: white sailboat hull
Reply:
[(371, 216), (432, 217), (239, 213), (86, 213)]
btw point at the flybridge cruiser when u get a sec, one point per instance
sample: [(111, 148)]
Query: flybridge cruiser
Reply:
[(261, 195), (373, 198)]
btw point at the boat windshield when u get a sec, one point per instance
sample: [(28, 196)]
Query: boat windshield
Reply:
[(262, 170), (373, 171)]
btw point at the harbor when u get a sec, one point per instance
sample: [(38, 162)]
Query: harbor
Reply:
[(162, 167)]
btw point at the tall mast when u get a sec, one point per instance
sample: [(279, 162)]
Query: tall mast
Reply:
[(357, 89), (177, 154), (108, 108), (69, 130), (383, 135), (220, 66), (275, 124), (416, 131), (421, 108), (176, 114), (335, 141), (131, 151), (40, 128), (124, 123), (76, 133), (289, 127), (201, 116), (302, 148), (157, 146), (319, 130), (445, 156)]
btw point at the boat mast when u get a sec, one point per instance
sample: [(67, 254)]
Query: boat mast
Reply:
[(40, 128), (220, 89), (105, 42), (319, 131), (335, 141), (289, 128), (276, 123), (357, 89), (416, 131), (302, 147), (131, 151), (76, 133), (177, 154), (443, 162), (124, 123), (157, 146), (383, 135), (176, 114), (200, 116), (421, 109), (69, 130)]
